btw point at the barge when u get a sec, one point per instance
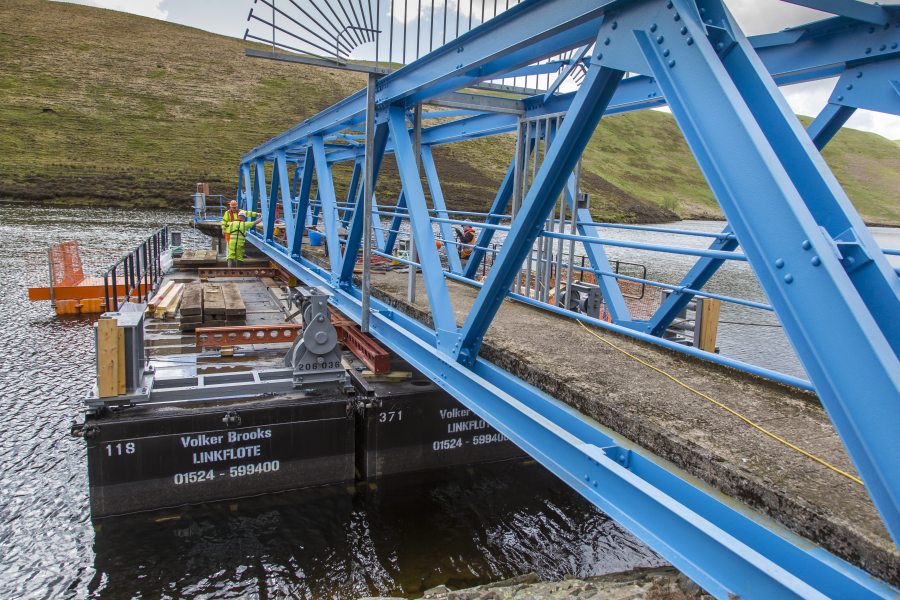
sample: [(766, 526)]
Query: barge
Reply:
[(225, 412)]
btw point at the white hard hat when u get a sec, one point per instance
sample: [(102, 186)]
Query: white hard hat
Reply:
[(242, 215)]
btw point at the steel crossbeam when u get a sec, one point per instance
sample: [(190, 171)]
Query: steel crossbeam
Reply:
[(812, 254)]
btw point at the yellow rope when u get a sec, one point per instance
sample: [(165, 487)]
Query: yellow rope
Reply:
[(768, 433)]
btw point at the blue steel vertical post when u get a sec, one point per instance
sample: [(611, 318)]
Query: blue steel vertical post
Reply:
[(328, 204), (501, 201), (437, 199)]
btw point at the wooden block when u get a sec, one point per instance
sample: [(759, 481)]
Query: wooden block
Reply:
[(234, 304), (192, 300), (120, 372), (393, 376), (172, 297), (107, 358), (709, 323), (158, 297), (191, 318), (213, 300), (173, 308)]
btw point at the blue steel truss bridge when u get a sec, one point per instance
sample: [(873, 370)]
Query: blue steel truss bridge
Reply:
[(787, 216)]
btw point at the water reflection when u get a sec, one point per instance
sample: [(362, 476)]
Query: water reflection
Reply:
[(460, 528)]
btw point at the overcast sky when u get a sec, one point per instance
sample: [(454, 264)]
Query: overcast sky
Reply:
[(229, 17)]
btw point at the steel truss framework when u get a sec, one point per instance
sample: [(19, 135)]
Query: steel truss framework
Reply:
[(812, 254)]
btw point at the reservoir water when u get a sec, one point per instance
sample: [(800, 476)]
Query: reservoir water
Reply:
[(461, 528)]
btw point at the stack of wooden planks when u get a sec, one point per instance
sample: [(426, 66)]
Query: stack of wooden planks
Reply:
[(212, 305), (196, 258), (192, 307), (168, 305)]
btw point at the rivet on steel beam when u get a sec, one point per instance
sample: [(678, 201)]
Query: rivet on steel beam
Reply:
[(848, 261), (690, 41), (669, 4), (806, 245), (666, 52), (868, 50), (587, 477), (720, 46), (660, 40), (858, 75), (677, 17), (595, 483), (871, 30), (894, 46), (779, 263), (615, 25), (849, 86), (683, 30), (788, 278), (599, 56), (671, 63), (709, 21), (606, 42), (882, 48), (840, 98), (815, 261), (653, 28)]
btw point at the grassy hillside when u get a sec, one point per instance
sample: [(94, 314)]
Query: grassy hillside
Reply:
[(98, 107)]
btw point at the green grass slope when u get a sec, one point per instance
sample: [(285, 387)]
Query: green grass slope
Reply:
[(101, 107)]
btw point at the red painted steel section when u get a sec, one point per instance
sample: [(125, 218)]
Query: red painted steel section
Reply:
[(366, 350), (237, 272), (250, 334)]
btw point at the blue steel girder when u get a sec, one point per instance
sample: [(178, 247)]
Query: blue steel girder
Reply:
[(695, 279), (437, 199), (420, 223), (711, 538), (350, 203), (755, 155), (501, 201), (282, 193), (306, 176), (828, 123), (355, 233), (591, 100), (396, 221), (870, 86), (325, 191), (596, 253)]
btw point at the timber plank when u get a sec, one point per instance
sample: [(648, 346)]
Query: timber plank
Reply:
[(234, 303), (107, 358), (158, 297), (213, 300), (192, 300), (172, 297), (120, 372)]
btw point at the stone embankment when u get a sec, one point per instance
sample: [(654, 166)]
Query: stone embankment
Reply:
[(665, 583)]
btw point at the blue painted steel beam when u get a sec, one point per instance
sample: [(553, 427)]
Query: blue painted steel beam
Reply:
[(696, 278), (678, 516), (329, 207), (396, 221), (420, 222), (351, 192), (354, 235), (720, 106), (437, 199), (828, 123), (596, 91), (596, 253), (501, 201)]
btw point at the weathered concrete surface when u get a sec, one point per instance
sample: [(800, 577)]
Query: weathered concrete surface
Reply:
[(663, 583), (558, 356)]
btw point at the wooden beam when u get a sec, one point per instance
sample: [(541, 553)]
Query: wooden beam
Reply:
[(107, 358), (709, 323), (120, 372)]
